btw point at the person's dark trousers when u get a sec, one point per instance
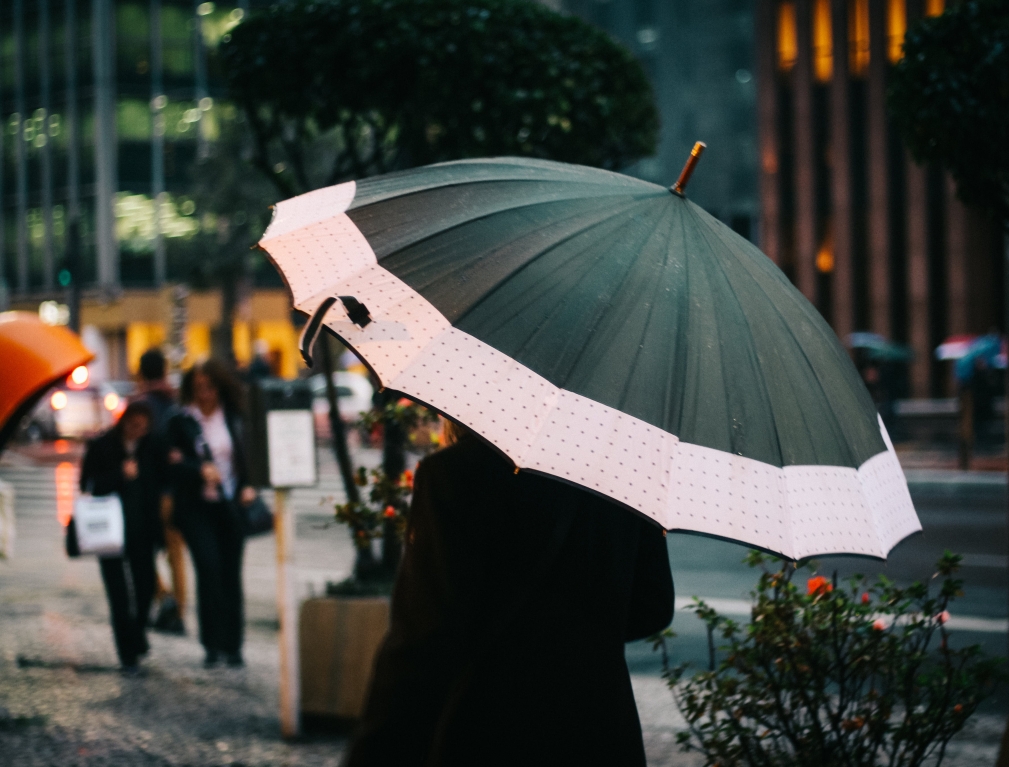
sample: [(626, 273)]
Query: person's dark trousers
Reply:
[(129, 586), (216, 544)]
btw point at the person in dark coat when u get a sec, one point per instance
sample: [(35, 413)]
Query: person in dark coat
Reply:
[(510, 612), (125, 461), (157, 393), (210, 486)]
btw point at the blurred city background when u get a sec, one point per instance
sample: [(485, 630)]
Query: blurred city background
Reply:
[(130, 208)]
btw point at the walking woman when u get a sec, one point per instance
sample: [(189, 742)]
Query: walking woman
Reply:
[(208, 468), (125, 461)]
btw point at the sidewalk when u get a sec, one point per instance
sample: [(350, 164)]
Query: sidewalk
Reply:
[(63, 702)]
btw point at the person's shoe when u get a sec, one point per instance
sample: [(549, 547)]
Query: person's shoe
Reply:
[(211, 659), (169, 619), (234, 659), (130, 669)]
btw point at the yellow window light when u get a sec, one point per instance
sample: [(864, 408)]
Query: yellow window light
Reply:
[(825, 255), (823, 44), (935, 7), (858, 38), (896, 26), (788, 45)]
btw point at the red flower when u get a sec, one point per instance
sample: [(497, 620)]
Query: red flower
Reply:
[(942, 617), (818, 586), (957, 708), (879, 625), (408, 479), (390, 512), (865, 598)]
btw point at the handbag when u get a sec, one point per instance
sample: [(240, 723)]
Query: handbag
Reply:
[(257, 519), (97, 526)]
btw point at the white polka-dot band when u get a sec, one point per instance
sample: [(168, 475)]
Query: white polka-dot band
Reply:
[(795, 511)]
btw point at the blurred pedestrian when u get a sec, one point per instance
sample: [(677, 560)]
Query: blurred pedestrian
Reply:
[(513, 602), (259, 366), (209, 477), (157, 393), (124, 460)]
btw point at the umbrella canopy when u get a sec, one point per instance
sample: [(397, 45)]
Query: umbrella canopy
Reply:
[(605, 331), (984, 349), (954, 347), (35, 356), (879, 349)]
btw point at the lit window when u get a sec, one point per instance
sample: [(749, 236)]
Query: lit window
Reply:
[(935, 7), (858, 37), (896, 26), (787, 45), (823, 50)]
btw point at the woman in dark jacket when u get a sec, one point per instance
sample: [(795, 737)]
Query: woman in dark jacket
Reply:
[(125, 461), (207, 465), (509, 617)]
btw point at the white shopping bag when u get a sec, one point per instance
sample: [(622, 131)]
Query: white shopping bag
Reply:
[(98, 522)]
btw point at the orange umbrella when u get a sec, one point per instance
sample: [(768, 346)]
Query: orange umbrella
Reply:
[(33, 356)]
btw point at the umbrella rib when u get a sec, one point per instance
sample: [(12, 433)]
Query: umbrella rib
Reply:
[(483, 216), (559, 305), (518, 270), (751, 347), (651, 310), (805, 356), (525, 233)]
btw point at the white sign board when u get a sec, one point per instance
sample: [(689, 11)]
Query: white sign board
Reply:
[(290, 445)]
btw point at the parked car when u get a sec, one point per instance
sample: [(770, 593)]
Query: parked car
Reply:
[(354, 392), (77, 410)]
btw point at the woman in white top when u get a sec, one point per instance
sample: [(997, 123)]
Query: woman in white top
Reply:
[(210, 489)]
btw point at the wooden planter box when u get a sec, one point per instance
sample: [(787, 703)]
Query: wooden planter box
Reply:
[(338, 639)]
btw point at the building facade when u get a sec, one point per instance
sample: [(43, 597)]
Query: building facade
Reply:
[(876, 242), (105, 105), (699, 57)]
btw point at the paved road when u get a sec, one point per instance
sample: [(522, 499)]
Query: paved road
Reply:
[(57, 663)]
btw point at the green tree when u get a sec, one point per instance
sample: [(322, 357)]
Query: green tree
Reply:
[(949, 99), (233, 204), (341, 89)]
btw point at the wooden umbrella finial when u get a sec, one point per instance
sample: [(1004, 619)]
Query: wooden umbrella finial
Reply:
[(688, 168)]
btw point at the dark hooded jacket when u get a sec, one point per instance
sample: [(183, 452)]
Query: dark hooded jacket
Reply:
[(509, 617)]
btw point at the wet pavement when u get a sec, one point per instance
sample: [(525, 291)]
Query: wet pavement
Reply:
[(64, 702)]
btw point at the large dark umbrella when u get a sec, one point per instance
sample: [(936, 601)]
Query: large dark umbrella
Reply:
[(609, 332)]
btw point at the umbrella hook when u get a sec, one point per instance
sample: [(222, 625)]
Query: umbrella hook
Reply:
[(356, 312), (688, 169)]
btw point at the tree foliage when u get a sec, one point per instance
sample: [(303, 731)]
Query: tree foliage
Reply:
[(949, 99), (340, 89), (833, 675)]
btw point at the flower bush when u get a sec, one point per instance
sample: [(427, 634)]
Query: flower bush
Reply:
[(831, 675)]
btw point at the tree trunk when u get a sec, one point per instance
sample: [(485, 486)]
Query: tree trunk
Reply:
[(339, 434)]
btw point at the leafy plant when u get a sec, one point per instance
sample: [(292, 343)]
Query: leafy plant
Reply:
[(380, 513), (411, 419), (832, 675)]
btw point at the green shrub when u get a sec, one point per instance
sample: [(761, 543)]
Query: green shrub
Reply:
[(828, 675)]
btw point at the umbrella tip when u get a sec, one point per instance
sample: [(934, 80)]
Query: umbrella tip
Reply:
[(688, 168)]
